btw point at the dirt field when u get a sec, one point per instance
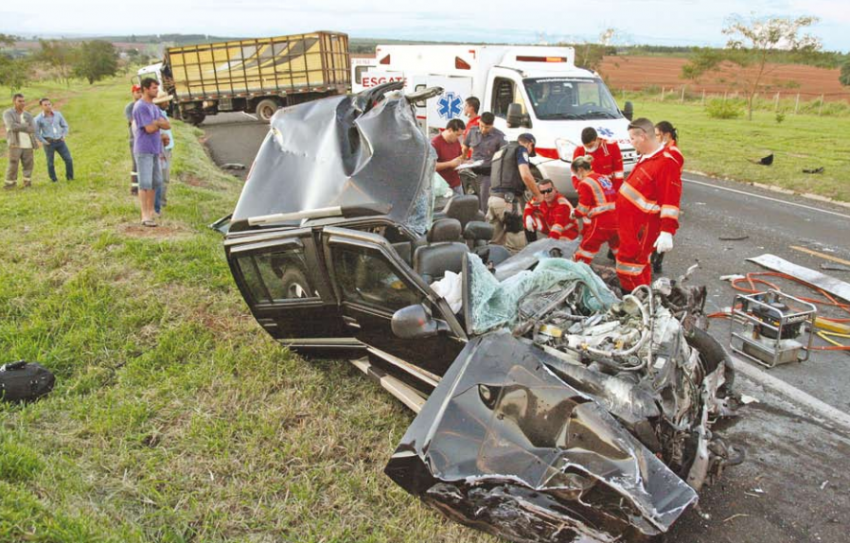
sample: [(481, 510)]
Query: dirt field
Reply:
[(636, 73)]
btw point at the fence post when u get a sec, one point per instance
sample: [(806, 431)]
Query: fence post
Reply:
[(724, 95), (703, 96), (776, 108), (662, 93), (820, 107), (683, 93), (797, 104)]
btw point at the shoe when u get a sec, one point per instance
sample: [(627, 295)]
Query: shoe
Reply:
[(134, 191), (27, 183), (54, 180), (10, 186), (149, 222)]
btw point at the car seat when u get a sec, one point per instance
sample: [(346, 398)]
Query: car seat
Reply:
[(442, 253)]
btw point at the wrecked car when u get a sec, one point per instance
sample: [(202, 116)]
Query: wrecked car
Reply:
[(549, 408)]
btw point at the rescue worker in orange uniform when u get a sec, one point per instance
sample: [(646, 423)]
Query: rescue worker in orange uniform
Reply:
[(647, 206), (607, 158), (551, 217), (597, 204), (668, 136)]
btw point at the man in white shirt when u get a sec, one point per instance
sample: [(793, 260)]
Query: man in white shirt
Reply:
[(20, 135)]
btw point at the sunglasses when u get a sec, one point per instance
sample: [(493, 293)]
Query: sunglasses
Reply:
[(547, 191)]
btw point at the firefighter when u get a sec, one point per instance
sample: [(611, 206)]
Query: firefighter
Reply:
[(668, 136), (596, 210), (510, 176), (607, 158), (549, 217), (647, 206)]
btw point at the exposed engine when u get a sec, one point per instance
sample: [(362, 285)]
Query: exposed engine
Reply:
[(648, 360)]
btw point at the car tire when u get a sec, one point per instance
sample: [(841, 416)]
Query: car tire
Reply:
[(196, 118), (266, 108), (295, 284)]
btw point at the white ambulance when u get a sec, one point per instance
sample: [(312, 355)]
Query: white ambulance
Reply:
[(533, 89)]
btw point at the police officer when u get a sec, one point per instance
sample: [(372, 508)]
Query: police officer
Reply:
[(510, 177)]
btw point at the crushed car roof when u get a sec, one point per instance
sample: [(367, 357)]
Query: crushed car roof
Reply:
[(364, 149)]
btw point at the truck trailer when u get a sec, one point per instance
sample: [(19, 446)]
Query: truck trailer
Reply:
[(256, 75), (536, 89)]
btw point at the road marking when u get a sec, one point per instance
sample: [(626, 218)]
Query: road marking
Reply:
[(727, 189), (791, 392), (816, 253)]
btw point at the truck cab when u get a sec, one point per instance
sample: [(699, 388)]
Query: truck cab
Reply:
[(555, 104)]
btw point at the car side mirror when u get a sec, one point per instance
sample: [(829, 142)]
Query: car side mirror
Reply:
[(628, 110), (515, 116), (413, 322)]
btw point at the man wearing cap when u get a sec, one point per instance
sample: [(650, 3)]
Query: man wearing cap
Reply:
[(607, 157), (148, 120), (510, 177), (647, 206), (128, 114), (161, 198), (51, 129)]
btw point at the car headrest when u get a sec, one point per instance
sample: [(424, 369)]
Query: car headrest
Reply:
[(478, 230), (463, 208), (444, 230)]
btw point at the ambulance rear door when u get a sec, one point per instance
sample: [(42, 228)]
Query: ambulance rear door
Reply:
[(449, 105)]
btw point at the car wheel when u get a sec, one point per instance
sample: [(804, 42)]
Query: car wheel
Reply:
[(266, 109), (295, 284), (196, 118)]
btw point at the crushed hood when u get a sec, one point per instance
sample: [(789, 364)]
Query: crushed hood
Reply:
[(507, 446), (343, 151)]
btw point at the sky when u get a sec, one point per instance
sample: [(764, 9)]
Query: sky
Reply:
[(656, 22)]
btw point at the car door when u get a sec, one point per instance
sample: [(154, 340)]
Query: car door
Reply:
[(372, 283), (283, 279)]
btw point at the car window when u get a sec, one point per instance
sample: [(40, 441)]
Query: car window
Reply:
[(277, 276), (364, 277)]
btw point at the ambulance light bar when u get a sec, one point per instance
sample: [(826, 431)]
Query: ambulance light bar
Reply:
[(521, 58)]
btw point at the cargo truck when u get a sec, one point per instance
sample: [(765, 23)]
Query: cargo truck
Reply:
[(536, 89), (257, 75)]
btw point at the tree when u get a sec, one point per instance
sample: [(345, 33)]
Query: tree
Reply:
[(60, 55), (14, 72), (750, 43), (97, 60), (844, 78)]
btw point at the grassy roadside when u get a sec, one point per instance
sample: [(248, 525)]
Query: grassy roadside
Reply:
[(175, 418), (722, 148)]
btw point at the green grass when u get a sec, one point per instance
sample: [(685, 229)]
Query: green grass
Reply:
[(175, 417), (722, 147)]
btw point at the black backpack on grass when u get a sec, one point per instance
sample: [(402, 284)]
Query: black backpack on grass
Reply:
[(22, 382)]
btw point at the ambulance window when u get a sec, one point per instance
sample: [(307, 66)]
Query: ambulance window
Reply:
[(358, 73), (503, 96)]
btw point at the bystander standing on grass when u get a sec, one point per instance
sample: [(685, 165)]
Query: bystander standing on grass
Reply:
[(161, 198), (20, 135), (51, 129), (136, 90), (148, 120)]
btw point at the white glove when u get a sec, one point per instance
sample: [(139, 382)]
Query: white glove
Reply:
[(664, 242)]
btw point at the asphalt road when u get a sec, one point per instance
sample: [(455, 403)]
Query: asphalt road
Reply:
[(794, 486)]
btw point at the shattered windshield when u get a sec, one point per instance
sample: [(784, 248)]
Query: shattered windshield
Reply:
[(571, 98)]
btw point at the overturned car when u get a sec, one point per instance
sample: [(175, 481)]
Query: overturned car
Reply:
[(549, 408)]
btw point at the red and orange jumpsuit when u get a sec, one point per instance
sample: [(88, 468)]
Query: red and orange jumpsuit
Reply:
[(550, 219), (597, 200), (647, 204), (607, 160)]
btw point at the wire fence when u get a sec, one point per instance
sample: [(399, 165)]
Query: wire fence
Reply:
[(780, 101)]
